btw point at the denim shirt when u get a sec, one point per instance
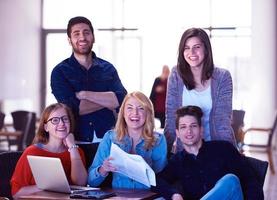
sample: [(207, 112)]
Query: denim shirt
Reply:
[(155, 157), (70, 77)]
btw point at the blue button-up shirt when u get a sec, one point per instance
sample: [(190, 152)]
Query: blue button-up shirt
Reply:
[(156, 157), (70, 77)]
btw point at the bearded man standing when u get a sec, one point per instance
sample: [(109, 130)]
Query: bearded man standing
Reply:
[(89, 85)]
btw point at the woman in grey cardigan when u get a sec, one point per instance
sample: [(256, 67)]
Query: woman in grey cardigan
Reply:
[(195, 81)]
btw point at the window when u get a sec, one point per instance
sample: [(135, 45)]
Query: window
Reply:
[(139, 54)]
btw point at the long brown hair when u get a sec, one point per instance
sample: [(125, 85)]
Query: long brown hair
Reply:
[(42, 136), (148, 128), (184, 68)]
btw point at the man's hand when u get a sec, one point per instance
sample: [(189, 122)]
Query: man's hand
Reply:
[(82, 95), (95, 101), (177, 196)]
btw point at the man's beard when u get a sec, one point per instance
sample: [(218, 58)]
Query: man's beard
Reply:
[(82, 51)]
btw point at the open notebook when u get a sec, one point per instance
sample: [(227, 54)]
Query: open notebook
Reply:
[(49, 175)]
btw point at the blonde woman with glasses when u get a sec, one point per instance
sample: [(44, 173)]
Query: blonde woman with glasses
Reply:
[(54, 138)]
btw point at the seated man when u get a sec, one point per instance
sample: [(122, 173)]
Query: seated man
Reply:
[(205, 170)]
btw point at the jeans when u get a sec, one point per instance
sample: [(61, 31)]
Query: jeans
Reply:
[(226, 188)]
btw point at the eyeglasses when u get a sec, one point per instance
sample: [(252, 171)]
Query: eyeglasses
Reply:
[(56, 120)]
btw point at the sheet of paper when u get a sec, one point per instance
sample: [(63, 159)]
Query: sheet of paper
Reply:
[(133, 166)]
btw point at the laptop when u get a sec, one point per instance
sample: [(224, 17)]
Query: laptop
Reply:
[(49, 175)]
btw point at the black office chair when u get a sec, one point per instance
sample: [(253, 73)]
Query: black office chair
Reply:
[(2, 119), (259, 167), (90, 151), (237, 124), (24, 121), (8, 162)]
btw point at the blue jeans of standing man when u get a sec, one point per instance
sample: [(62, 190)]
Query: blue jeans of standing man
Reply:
[(226, 188)]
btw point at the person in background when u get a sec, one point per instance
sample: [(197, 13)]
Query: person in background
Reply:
[(89, 85), (54, 138), (205, 170), (133, 133), (158, 95), (196, 81)]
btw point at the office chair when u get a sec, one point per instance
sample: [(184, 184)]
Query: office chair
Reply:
[(8, 162), (2, 119), (90, 151), (24, 121), (237, 124), (259, 167), (267, 147)]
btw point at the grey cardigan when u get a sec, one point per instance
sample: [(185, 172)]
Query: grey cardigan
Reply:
[(220, 116)]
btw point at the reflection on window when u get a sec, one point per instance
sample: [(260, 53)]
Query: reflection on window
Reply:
[(57, 49), (139, 55)]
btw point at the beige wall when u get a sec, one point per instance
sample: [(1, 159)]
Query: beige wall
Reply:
[(263, 74), (20, 23)]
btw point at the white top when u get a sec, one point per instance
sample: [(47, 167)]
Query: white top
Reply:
[(203, 100)]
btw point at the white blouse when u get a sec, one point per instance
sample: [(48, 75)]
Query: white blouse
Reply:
[(203, 100)]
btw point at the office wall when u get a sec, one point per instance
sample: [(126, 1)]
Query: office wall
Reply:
[(263, 74), (20, 23), (275, 56)]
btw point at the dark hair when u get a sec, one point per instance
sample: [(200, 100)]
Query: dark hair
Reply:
[(77, 20), (194, 111), (184, 68), (42, 136)]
